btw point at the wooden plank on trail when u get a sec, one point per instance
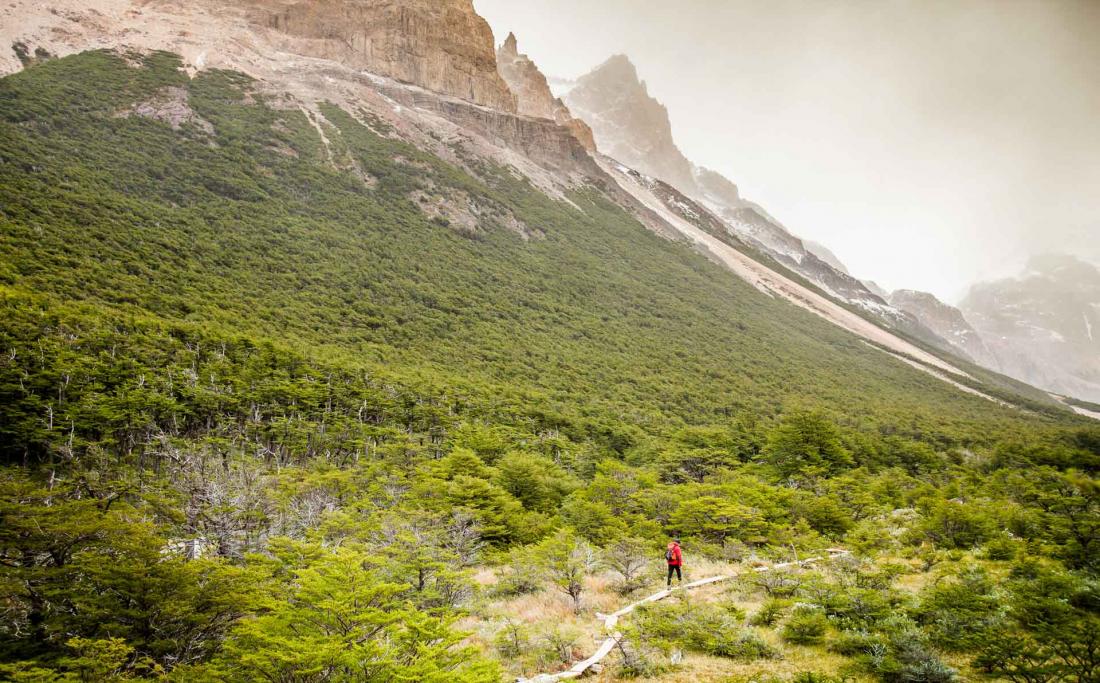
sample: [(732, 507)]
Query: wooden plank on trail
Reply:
[(610, 621)]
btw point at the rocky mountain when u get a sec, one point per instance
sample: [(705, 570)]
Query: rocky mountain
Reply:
[(825, 254), (876, 288), (946, 321), (634, 128), (1043, 327), (441, 45), (715, 188), (628, 124), (428, 74), (532, 91)]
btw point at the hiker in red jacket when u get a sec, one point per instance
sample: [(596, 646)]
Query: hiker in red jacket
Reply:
[(675, 560)]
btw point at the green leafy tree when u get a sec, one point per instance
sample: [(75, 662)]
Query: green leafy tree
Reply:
[(805, 445), (955, 524), (630, 558), (340, 622), (959, 610), (715, 520), (1052, 632), (535, 482), (567, 561)]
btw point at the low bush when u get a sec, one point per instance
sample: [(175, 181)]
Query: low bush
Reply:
[(806, 626), (957, 611), (1001, 548), (521, 575), (854, 643), (906, 657), (711, 629), (770, 612)]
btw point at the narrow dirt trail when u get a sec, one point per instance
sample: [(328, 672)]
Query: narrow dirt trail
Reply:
[(611, 621)]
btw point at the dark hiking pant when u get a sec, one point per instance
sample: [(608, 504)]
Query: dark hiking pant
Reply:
[(674, 568)]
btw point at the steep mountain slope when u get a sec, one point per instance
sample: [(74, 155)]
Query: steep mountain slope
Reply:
[(552, 157), (1043, 327), (244, 222), (946, 321), (634, 128)]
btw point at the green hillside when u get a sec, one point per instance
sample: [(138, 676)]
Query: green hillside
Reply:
[(213, 332), (238, 235)]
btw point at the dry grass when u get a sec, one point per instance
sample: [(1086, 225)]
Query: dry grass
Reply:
[(696, 667), (550, 609)]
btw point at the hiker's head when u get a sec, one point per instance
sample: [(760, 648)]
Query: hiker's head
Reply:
[(676, 541)]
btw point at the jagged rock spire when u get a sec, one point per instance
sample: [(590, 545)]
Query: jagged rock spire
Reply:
[(533, 95)]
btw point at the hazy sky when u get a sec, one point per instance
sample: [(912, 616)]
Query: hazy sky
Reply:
[(928, 143)]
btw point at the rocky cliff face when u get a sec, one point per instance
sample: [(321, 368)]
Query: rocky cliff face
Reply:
[(533, 95), (527, 83), (441, 45), (629, 125), (946, 321), (1043, 327)]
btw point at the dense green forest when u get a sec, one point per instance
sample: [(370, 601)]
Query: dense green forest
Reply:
[(265, 415)]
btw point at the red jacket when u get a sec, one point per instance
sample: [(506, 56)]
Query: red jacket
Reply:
[(675, 557)]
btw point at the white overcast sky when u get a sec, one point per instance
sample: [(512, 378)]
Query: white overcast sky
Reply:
[(929, 143)]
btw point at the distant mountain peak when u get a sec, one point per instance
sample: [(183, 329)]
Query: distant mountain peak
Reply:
[(946, 321), (825, 254), (620, 67), (630, 125), (1044, 325)]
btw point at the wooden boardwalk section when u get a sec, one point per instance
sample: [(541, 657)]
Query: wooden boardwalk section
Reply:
[(611, 621)]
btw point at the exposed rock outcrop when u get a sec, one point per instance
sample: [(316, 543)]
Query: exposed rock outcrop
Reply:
[(440, 45), (628, 124), (542, 141), (533, 95), (170, 106), (946, 321)]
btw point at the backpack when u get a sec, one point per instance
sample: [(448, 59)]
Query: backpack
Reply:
[(668, 555)]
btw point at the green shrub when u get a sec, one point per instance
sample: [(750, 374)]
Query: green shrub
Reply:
[(743, 644), (521, 575), (708, 628), (1001, 548), (806, 626), (770, 612), (854, 643), (955, 525), (512, 640), (958, 610), (905, 657)]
